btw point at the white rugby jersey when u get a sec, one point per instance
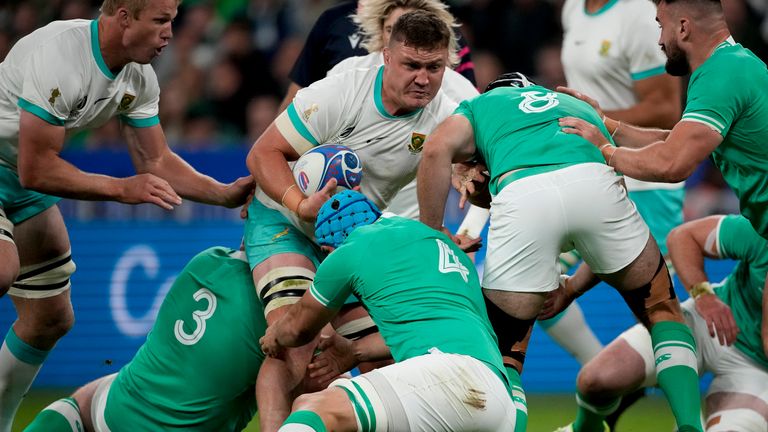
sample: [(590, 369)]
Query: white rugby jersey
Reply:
[(347, 109), (58, 73), (454, 85), (605, 52)]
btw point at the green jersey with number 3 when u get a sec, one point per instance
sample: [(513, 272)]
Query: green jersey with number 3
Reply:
[(518, 128), (198, 367), (421, 290), (729, 93)]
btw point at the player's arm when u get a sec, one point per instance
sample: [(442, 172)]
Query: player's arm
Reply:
[(339, 354), (42, 169), (300, 324), (688, 245), (670, 161), (150, 154), (452, 141), (658, 104)]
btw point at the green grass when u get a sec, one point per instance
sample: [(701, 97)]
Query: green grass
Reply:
[(546, 412)]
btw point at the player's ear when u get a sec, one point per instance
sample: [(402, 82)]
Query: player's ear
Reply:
[(387, 55), (123, 17)]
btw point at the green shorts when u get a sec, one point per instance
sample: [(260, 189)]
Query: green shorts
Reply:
[(18, 203), (268, 233), (662, 211)]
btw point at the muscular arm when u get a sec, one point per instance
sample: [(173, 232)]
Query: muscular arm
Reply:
[(301, 323), (670, 161), (658, 103), (452, 141), (689, 244), (150, 154), (42, 169)]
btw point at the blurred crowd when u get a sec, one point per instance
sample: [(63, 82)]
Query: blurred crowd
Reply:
[(225, 72)]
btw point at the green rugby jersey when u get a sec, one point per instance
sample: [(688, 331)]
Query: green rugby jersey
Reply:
[(743, 289), (729, 93), (420, 289), (518, 128), (198, 367)]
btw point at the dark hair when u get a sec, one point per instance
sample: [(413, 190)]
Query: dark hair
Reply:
[(422, 30), (693, 2)]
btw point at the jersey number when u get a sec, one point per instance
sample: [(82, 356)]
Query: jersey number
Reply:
[(198, 316), (449, 262), (536, 102)]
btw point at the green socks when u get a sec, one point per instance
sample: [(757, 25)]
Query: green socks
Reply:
[(591, 416), (303, 421), (518, 398), (60, 416)]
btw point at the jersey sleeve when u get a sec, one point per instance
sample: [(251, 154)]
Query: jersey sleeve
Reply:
[(738, 240), (52, 84), (335, 278), (465, 109), (640, 45), (716, 98), (316, 113), (144, 111)]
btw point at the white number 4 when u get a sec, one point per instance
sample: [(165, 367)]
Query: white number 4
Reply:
[(449, 262), (198, 316)]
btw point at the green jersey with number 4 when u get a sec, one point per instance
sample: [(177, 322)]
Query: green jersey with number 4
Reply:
[(518, 128), (198, 367), (729, 93), (421, 290), (743, 290)]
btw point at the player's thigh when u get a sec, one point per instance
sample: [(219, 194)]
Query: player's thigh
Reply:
[(525, 236), (9, 256), (435, 391), (603, 223), (736, 411), (92, 399)]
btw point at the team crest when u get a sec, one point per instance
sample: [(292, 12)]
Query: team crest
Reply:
[(309, 111), (126, 101), (605, 47), (417, 142), (54, 94)]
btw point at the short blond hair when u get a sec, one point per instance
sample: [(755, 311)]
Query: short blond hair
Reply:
[(371, 15), (110, 7)]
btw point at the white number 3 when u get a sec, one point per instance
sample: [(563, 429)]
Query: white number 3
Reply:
[(198, 316)]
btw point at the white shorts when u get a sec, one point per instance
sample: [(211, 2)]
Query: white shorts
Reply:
[(432, 392), (533, 219), (99, 403), (733, 371)]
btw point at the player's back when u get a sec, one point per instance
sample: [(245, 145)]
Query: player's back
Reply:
[(198, 367), (518, 128), (420, 289)]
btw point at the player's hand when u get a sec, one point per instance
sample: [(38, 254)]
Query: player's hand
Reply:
[(310, 206), (718, 317), (238, 193), (581, 96), (468, 244), (269, 344), (557, 300), (336, 357), (584, 129), (247, 204), (148, 188), (467, 179)]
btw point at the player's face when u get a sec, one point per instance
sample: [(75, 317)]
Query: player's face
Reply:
[(146, 36), (389, 22), (412, 77), (677, 59)]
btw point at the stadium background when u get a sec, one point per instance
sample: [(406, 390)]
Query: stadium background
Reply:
[(222, 78)]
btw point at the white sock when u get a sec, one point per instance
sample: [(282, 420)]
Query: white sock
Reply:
[(19, 365), (571, 332), (295, 427)]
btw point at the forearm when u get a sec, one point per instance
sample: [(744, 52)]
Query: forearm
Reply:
[(625, 134), (270, 170), (654, 162), (433, 184), (371, 348), (649, 114), (52, 175), (582, 281), (184, 179), (687, 257)]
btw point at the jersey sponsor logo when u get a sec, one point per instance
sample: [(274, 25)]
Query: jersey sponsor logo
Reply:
[(285, 231), (449, 262), (605, 46), (536, 101), (55, 93), (309, 111), (417, 142), (347, 132), (354, 40), (101, 99), (126, 101), (663, 358), (79, 106)]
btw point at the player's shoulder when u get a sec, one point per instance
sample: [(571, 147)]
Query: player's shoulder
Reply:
[(358, 62), (61, 42), (731, 64)]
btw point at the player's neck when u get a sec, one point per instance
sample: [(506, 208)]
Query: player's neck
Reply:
[(110, 46), (592, 6), (708, 47)]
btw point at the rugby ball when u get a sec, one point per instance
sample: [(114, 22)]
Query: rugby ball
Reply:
[(315, 167)]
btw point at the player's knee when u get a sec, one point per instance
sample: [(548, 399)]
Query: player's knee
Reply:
[(55, 325), (655, 301), (7, 277), (739, 419), (329, 404), (592, 381)]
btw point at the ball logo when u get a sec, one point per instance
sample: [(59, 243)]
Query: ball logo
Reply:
[(303, 181)]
